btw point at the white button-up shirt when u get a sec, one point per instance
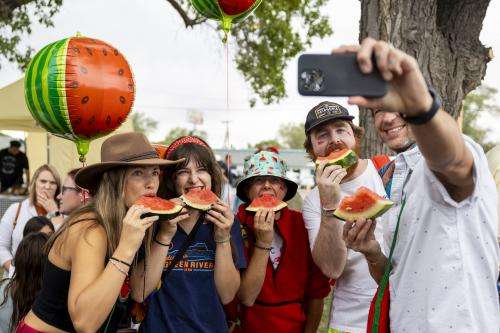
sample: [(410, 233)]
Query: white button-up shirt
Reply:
[(446, 259)]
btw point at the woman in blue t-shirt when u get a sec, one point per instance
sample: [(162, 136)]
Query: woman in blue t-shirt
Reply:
[(189, 297)]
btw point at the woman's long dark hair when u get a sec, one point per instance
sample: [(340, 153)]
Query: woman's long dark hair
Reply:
[(36, 223), (26, 282)]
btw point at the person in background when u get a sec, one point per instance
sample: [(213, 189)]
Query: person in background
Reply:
[(493, 156), (42, 201), (18, 293), (228, 191), (12, 164), (38, 224), (282, 290), (72, 196)]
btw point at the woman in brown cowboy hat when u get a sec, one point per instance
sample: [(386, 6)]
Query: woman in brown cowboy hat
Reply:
[(91, 256)]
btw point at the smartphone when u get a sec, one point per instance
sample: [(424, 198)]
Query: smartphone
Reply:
[(337, 74)]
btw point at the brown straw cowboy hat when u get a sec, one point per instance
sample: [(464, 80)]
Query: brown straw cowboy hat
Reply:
[(120, 150)]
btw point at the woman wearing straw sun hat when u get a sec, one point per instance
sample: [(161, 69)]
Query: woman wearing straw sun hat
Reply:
[(92, 255), (282, 290)]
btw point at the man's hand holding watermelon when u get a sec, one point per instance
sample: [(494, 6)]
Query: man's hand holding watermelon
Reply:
[(328, 178)]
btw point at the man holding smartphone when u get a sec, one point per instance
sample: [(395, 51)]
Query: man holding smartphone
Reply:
[(446, 258), (328, 128)]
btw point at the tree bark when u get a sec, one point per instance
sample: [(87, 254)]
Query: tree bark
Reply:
[(8, 6), (443, 35)]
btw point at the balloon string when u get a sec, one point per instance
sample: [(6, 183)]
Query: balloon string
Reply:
[(228, 160), (85, 192)]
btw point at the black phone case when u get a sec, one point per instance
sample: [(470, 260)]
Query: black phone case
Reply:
[(337, 75)]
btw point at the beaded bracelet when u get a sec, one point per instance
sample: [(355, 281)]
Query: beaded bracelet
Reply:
[(223, 241)]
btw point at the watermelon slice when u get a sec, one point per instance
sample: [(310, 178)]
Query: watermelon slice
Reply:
[(363, 204), (161, 207), (200, 199), (345, 158), (266, 201)]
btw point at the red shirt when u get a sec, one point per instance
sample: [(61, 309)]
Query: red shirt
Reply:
[(280, 306)]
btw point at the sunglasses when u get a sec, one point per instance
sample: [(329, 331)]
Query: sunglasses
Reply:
[(70, 188)]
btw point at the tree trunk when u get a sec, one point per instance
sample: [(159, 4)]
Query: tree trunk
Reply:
[(443, 35), (8, 6)]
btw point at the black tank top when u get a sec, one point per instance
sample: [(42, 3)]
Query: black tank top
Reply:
[(51, 303)]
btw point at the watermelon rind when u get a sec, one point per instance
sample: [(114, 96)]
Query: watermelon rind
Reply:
[(377, 210), (348, 159), (203, 207)]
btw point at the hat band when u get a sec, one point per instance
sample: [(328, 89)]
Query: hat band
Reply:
[(143, 156), (182, 141)]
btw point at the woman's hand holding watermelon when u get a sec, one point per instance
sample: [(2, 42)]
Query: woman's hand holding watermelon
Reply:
[(328, 179), (359, 235), (263, 224), (133, 230), (168, 227), (222, 217)]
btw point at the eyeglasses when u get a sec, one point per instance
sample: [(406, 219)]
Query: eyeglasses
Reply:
[(70, 188)]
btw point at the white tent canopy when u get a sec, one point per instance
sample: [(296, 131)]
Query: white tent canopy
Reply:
[(43, 147)]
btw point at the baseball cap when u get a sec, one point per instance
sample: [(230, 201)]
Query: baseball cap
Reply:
[(323, 112)]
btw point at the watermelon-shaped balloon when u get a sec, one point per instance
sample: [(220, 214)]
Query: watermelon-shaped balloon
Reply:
[(79, 89), (363, 204), (266, 202), (226, 11)]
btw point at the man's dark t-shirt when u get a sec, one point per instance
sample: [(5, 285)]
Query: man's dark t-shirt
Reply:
[(11, 168)]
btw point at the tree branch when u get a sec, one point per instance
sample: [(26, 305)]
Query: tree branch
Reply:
[(188, 22)]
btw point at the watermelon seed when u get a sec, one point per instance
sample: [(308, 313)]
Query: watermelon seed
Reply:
[(120, 71), (76, 50), (89, 50), (104, 52), (115, 51), (122, 99), (85, 100), (83, 70), (73, 84)]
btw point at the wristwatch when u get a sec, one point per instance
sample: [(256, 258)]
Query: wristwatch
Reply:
[(425, 117), (53, 214)]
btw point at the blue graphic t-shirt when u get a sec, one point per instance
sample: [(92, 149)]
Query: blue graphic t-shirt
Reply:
[(187, 300)]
